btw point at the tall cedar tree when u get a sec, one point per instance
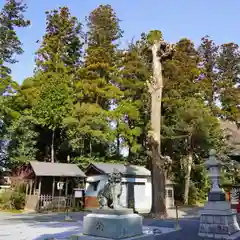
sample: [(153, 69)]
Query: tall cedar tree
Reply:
[(132, 111), (11, 17), (189, 128), (228, 65), (61, 42), (208, 51), (57, 61), (97, 88), (182, 73)]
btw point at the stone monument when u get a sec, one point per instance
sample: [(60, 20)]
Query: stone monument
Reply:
[(112, 221), (217, 219)]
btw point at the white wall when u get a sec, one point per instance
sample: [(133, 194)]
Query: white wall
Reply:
[(169, 200), (144, 206), (89, 190), (142, 193)]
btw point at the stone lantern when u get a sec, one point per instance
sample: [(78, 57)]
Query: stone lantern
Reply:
[(217, 219), (214, 171)]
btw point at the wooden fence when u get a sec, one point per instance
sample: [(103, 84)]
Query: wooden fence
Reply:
[(50, 203)]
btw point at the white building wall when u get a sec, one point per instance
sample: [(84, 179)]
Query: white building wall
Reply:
[(142, 192), (169, 198), (89, 189)]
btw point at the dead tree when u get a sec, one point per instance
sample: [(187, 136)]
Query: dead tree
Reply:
[(161, 51)]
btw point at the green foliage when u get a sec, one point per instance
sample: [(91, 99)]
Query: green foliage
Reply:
[(54, 101), (189, 126), (228, 80), (11, 17), (154, 35), (132, 111), (193, 129), (13, 199), (5, 202), (22, 141), (62, 41), (208, 52), (17, 198), (97, 88)]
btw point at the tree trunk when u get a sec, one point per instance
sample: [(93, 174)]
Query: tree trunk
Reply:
[(187, 177), (52, 146), (158, 174), (118, 150)]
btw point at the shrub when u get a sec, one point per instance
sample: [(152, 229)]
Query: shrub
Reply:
[(5, 202), (13, 199), (17, 200)]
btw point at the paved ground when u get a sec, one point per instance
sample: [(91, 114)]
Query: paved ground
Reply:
[(36, 226)]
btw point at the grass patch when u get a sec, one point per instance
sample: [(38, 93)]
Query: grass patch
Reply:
[(11, 211)]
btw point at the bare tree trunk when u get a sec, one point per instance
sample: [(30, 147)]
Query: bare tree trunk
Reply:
[(52, 146), (187, 177), (158, 174)]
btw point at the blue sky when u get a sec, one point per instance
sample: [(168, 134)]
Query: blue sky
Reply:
[(175, 18)]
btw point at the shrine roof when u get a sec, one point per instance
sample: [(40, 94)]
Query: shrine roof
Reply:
[(56, 169), (107, 168)]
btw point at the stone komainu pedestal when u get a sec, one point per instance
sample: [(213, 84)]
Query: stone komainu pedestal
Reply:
[(113, 224), (218, 220)]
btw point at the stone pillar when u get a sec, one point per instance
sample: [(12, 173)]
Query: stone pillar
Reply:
[(217, 219)]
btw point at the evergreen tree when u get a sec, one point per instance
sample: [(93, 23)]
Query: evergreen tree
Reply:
[(11, 17), (47, 96), (208, 51), (61, 43), (228, 67), (97, 89), (190, 129), (132, 111), (57, 62), (182, 72)]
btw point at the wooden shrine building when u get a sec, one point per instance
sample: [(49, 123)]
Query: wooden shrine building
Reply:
[(52, 182)]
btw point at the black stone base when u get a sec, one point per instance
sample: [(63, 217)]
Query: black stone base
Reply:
[(216, 196)]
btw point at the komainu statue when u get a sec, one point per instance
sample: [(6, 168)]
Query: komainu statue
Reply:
[(109, 195)]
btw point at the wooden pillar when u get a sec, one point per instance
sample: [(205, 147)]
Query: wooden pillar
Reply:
[(27, 188), (39, 186), (53, 186), (31, 183), (66, 188), (35, 186)]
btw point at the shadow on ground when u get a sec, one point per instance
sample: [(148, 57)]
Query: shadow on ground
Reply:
[(65, 234), (34, 217)]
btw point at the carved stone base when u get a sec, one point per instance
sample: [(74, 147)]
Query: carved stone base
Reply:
[(218, 221), (109, 211), (142, 237), (110, 226)]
